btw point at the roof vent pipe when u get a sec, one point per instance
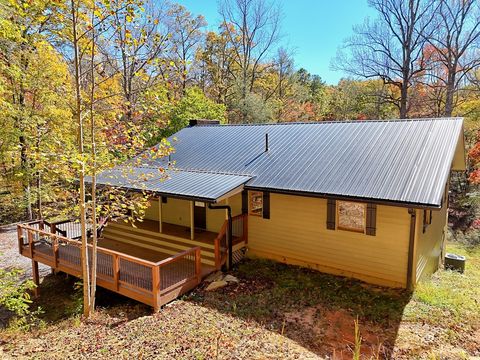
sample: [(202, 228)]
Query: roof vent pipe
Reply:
[(266, 142)]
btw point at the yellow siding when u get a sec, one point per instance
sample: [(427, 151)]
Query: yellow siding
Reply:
[(296, 233), (429, 244), (235, 203), (177, 211), (215, 218), (459, 161)]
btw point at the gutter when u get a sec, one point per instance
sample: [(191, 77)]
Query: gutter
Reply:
[(411, 246), (229, 232), (344, 197)]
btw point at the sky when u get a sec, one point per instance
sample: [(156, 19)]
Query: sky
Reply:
[(312, 29)]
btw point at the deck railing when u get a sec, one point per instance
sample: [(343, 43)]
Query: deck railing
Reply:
[(239, 234), (153, 283)]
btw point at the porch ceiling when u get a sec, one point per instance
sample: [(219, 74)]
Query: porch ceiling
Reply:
[(194, 185)]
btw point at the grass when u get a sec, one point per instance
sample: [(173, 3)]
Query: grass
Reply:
[(448, 297), (275, 311)]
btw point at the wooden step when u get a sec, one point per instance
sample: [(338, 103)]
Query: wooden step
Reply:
[(127, 227), (208, 257), (155, 243), (158, 238), (156, 253)]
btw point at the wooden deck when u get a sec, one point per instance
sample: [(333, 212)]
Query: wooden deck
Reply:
[(148, 266), (143, 253)]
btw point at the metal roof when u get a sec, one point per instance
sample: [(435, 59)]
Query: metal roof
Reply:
[(400, 161), (202, 186)]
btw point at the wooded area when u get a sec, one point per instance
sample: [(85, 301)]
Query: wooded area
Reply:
[(87, 84)]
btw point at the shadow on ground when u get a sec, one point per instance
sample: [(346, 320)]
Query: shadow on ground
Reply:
[(316, 310), (61, 298)]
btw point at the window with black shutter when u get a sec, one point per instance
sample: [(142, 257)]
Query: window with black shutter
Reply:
[(266, 205), (331, 213), (256, 203), (244, 202), (371, 226)]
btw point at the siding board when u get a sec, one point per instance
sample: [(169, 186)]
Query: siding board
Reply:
[(297, 233)]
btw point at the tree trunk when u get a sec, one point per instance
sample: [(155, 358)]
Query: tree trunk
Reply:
[(78, 117), (450, 93), (26, 180), (93, 285), (404, 99)]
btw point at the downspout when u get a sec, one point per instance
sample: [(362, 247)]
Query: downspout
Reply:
[(411, 246), (229, 232)]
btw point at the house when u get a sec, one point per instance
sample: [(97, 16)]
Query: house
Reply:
[(363, 199)]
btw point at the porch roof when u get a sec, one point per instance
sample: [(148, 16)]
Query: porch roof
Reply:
[(194, 185)]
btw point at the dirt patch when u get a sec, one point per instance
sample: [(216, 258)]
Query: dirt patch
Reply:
[(333, 331), (10, 257)]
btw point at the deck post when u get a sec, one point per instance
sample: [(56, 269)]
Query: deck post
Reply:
[(160, 214), (30, 242), (156, 287), (55, 251), (192, 221), (36, 278), (20, 239), (198, 264), (116, 265)]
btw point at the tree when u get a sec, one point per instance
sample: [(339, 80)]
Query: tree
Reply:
[(24, 25), (216, 59), (390, 47), (186, 34), (253, 28), (195, 105), (135, 54), (456, 45)]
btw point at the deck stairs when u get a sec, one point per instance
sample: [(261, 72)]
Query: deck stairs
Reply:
[(157, 242)]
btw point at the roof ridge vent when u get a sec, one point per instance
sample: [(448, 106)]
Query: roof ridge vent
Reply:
[(266, 142)]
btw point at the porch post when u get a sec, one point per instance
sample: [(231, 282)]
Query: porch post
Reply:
[(226, 211), (192, 222), (160, 214), (35, 277)]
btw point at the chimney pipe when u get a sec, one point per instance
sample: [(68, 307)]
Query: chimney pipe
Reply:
[(266, 142)]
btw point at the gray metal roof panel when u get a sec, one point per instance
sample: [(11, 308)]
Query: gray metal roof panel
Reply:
[(405, 161), (189, 184)]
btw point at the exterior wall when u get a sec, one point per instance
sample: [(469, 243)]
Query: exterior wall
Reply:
[(235, 203), (429, 244), (296, 233), (177, 211)]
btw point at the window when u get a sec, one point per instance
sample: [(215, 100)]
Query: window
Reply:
[(351, 216), (256, 203)]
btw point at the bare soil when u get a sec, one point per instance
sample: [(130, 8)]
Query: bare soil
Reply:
[(274, 312)]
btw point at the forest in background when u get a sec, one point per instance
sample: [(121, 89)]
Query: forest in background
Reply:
[(142, 69)]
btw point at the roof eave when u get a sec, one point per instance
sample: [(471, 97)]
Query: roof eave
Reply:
[(389, 202)]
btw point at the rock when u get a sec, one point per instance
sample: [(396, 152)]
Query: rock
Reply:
[(216, 285), (216, 276), (230, 278)]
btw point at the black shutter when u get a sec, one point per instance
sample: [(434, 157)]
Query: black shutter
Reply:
[(244, 201), (164, 199), (331, 213), (266, 205), (371, 219)]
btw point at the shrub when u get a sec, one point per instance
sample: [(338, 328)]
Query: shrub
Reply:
[(15, 297)]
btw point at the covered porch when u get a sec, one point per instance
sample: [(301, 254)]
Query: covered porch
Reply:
[(182, 238)]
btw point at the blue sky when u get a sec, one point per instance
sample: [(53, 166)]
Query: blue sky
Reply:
[(313, 29)]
